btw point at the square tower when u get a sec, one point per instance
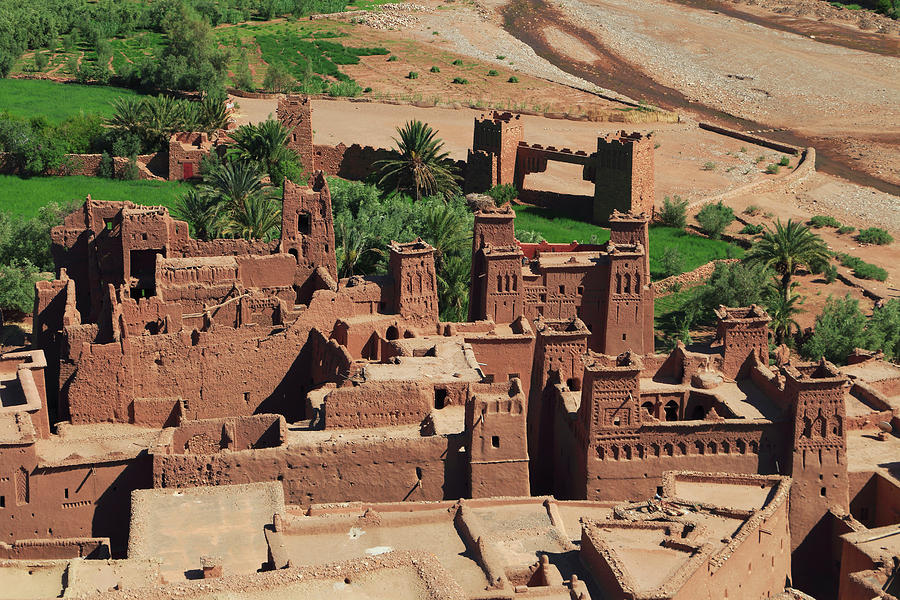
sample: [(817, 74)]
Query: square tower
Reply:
[(295, 113), (415, 281), (497, 290), (622, 172), (744, 333), (307, 227), (492, 159)]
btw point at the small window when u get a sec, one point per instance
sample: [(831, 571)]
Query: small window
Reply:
[(822, 492), (624, 336), (2, 501), (562, 289), (440, 398), (109, 224), (66, 493), (617, 421), (303, 223), (495, 441), (247, 397), (512, 376), (581, 290)]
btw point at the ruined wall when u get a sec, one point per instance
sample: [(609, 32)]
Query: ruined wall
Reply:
[(332, 469), (378, 404), (353, 162), (91, 548), (295, 114)]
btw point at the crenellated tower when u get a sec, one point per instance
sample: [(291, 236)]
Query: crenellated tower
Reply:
[(622, 172), (415, 284), (295, 113), (307, 227), (492, 159), (497, 290)]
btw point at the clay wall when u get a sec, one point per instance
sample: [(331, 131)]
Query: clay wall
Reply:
[(209, 436), (378, 404), (92, 548), (71, 499), (882, 411), (629, 465), (295, 114), (353, 162), (574, 206), (332, 470), (875, 500), (415, 281), (186, 150), (503, 358), (89, 165)]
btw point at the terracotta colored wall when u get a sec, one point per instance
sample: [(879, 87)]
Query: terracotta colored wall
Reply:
[(376, 404), (94, 548), (350, 162), (336, 470)]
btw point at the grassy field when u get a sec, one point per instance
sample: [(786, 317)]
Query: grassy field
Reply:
[(23, 197), (56, 101), (556, 229)]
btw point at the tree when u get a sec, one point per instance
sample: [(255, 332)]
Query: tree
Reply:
[(785, 248), (278, 79), (453, 288), (233, 182), (445, 227), (256, 217), (674, 212), (735, 284), (353, 245), (202, 211), (17, 287), (418, 165), (267, 144), (714, 218), (883, 329), (838, 330), (783, 310)]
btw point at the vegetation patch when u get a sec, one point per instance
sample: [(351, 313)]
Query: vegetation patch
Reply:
[(30, 98), (875, 235), (861, 268)]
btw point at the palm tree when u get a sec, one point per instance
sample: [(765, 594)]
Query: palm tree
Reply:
[(419, 164), (446, 230), (352, 246), (202, 211), (785, 248), (128, 114), (163, 116), (212, 114), (256, 217), (453, 288), (783, 310), (267, 144), (233, 182)]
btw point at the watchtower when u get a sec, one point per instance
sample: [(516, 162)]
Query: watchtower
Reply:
[(622, 172), (497, 289), (492, 159), (307, 228), (295, 113), (497, 441), (744, 333), (627, 323), (415, 283)]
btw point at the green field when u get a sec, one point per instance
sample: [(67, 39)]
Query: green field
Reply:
[(56, 101), (23, 197), (556, 229)]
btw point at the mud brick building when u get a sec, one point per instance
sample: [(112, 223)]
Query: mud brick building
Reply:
[(541, 448)]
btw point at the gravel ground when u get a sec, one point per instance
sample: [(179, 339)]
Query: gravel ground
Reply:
[(840, 199)]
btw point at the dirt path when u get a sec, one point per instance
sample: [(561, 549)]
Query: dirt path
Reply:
[(727, 69)]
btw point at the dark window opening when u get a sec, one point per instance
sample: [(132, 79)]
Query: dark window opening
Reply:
[(440, 398), (562, 289), (66, 492), (488, 378), (495, 441), (195, 337), (671, 410), (303, 223), (543, 297), (581, 290), (822, 492), (247, 397), (143, 273), (108, 223), (2, 501), (152, 327), (617, 421), (392, 333), (512, 376), (293, 252), (624, 336), (648, 407)]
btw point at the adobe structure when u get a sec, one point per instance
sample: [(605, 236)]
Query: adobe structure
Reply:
[(621, 168), (210, 409)]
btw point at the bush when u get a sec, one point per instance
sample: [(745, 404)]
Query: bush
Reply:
[(870, 271), (503, 193), (513, 79), (348, 89), (830, 273), (874, 235), (751, 229), (838, 330), (883, 329), (33, 149), (40, 61), (278, 79), (772, 169), (412, 75), (527, 236), (130, 171), (107, 167), (819, 221), (393, 58), (501, 57), (674, 212), (714, 218), (435, 69), (492, 73), (708, 166), (846, 229), (367, 90), (735, 284), (785, 161), (243, 78), (671, 262), (457, 63), (17, 287), (460, 80), (69, 41), (752, 210)]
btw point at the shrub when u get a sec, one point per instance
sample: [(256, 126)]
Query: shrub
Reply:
[(674, 212), (735, 284), (875, 235), (40, 61), (503, 193), (708, 166), (772, 168), (393, 58), (671, 262), (492, 73), (69, 41), (751, 229), (17, 281), (457, 63), (243, 78), (501, 57), (785, 161), (367, 90), (278, 79), (830, 273), (819, 221), (460, 80), (130, 171), (527, 236), (752, 210), (107, 168), (883, 329), (513, 79), (435, 69), (714, 218), (870, 271), (744, 149), (412, 75), (846, 229), (759, 159), (838, 330)]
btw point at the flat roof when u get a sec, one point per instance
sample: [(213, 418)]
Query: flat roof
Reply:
[(77, 444)]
